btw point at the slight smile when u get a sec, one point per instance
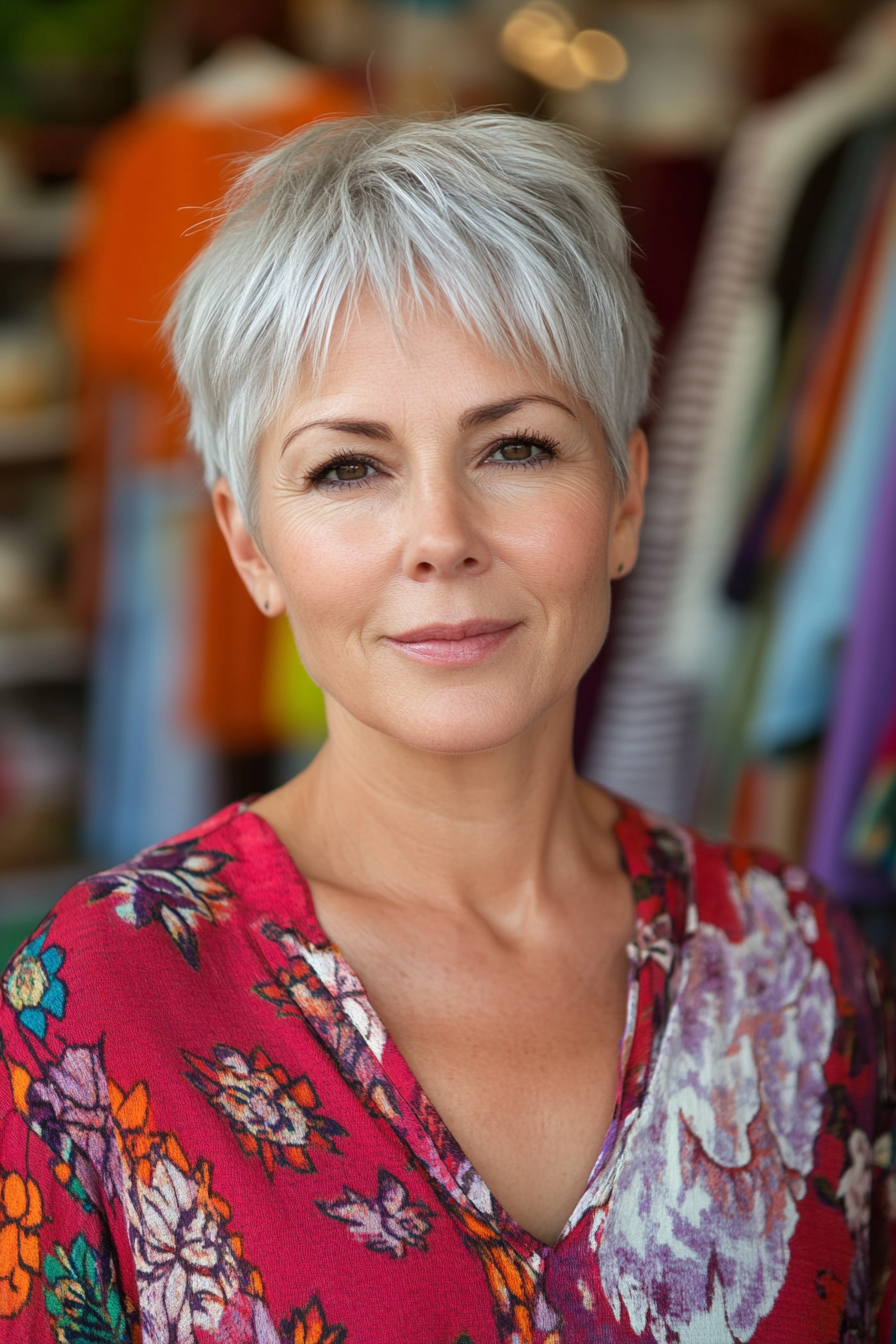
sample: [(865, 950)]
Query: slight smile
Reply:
[(454, 645)]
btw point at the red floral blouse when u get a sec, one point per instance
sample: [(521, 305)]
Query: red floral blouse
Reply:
[(206, 1134)]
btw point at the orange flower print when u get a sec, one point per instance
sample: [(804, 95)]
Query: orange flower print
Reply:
[(273, 1116), (521, 1309), (21, 1214), (139, 1144), (190, 1266), (309, 1326)]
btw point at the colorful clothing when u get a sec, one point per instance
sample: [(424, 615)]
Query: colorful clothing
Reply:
[(206, 1133)]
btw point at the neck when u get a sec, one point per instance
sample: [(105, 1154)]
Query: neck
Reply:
[(493, 830)]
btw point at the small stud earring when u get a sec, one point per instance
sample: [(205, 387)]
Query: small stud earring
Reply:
[(620, 568), (267, 606)]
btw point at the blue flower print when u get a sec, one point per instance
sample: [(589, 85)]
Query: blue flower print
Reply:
[(33, 986)]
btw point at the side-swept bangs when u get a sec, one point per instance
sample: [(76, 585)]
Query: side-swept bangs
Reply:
[(505, 220)]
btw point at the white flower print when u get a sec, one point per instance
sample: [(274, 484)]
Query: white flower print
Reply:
[(186, 1267), (333, 972), (855, 1183), (694, 1244)]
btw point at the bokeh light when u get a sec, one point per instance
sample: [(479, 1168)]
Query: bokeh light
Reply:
[(542, 40)]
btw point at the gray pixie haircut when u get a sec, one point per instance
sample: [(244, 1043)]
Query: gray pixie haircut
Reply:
[(505, 220)]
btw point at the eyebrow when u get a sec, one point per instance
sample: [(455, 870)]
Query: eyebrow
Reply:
[(375, 429), (486, 415), (365, 429)]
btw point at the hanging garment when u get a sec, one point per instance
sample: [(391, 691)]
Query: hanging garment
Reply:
[(826, 280), (814, 602), (645, 739), (816, 361), (865, 693), (147, 764)]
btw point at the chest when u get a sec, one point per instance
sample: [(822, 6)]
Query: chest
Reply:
[(328, 1202), (517, 1050)]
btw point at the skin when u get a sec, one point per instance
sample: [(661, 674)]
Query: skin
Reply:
[(469, 877)]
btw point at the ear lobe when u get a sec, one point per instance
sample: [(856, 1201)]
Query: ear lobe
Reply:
[(251, 565)]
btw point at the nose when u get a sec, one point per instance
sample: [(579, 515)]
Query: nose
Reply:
[(445, 537)]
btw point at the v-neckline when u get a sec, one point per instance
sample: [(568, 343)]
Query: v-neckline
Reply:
[(371, 1062)]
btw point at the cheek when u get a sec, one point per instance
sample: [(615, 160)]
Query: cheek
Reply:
[(563, 546), (332, 570)]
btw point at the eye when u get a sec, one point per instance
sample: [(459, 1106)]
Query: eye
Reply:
[(346, 470), (523, 449)]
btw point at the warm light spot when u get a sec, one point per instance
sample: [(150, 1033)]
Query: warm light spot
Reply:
[(599, 55), (541, 39)]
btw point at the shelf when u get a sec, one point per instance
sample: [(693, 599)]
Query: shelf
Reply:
[(41, 656), (39, 229), (43, 435)]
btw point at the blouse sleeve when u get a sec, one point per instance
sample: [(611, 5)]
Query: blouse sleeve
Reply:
[(861, 1074), (883, 1190), (60, 1227)]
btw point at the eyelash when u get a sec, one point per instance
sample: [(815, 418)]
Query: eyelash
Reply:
[(543, 442)]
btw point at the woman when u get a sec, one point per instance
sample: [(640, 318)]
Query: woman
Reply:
[(437, 1042)]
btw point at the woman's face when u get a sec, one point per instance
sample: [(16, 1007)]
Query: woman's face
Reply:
[(441, 527)]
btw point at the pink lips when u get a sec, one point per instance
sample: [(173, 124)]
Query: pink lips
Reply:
[(454, 645)]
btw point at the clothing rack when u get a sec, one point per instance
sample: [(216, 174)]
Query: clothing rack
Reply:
[(752, 685)]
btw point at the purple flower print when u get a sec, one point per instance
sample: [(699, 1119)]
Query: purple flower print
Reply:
[(387, 1223), (694, 1243), (175, 885), (69, 1108)]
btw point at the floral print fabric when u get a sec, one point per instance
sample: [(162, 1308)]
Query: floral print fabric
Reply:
[(207, 1135)]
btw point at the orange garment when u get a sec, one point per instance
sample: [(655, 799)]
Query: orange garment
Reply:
[(152, 190)]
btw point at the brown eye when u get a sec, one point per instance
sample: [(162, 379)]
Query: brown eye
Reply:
[(350, 471), (525, 450)]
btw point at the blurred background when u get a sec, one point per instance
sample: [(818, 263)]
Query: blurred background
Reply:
[(749, 681)]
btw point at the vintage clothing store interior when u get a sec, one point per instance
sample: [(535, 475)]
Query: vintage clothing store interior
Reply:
[(749, 682)]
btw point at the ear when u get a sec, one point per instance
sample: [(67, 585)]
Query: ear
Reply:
[(252, 566), (629, 510)]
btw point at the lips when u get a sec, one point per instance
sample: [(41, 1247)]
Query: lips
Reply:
[(462, 630), (456, 645)]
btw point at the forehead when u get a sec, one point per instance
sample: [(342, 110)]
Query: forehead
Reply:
[(421, 357)]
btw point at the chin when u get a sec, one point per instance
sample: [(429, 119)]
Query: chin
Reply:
[(462, 724)]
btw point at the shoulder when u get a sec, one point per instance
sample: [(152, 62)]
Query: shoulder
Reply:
[(141, 934), (746, 895), (757, 897)]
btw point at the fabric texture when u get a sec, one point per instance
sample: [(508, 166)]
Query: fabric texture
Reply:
[(207, 1135), (814, 603)]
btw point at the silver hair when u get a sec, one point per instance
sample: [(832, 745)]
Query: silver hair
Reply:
[(505, 220)]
